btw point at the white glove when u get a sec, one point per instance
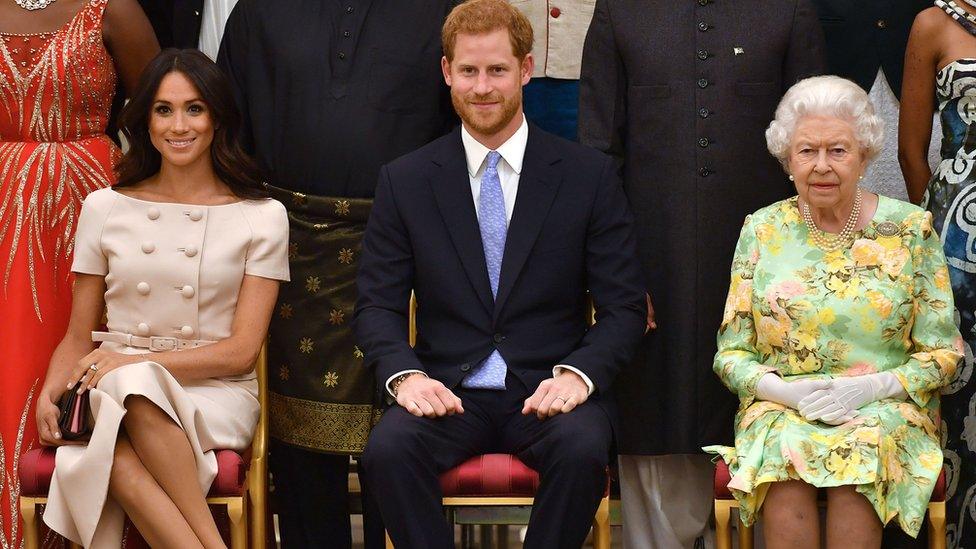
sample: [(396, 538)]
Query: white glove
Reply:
[(773, 388), (847, 394)]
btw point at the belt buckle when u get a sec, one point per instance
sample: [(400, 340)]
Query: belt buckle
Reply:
[(159, 343)]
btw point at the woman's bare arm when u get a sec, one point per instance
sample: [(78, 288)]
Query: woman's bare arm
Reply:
[(918, 103), (130, 39)]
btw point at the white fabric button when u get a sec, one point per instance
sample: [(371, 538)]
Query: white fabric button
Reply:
[(190, 251), (148, 247), (186, 331), (153, 213), (143, 288), (196, 215), (143, 329), (187, 291)]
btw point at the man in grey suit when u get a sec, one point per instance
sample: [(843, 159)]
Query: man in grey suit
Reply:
[(681, 93)]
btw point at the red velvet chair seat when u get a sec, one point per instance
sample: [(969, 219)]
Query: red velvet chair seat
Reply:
[(723, 477), (37, 467), (491, 475)]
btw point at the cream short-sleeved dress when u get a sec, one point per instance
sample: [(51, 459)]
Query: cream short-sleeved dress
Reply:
[(171, 271)]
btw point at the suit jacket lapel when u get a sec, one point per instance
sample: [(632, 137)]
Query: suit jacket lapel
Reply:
[(538, 184), (451, 186)]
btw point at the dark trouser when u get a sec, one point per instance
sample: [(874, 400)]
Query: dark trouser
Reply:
[(312, 498), (553, 105), (405, 454)]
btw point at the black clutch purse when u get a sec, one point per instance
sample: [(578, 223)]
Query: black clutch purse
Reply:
[(75, 421)]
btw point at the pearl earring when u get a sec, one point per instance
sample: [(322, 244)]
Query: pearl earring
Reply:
[(792, 178)]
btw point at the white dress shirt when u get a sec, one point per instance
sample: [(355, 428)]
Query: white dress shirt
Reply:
[(509, 169)]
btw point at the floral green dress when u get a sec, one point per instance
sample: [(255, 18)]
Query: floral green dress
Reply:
[(885, 304)]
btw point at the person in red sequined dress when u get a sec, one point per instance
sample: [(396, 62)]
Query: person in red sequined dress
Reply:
[(59, 63)]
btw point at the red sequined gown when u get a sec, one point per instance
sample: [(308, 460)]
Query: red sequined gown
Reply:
[(56, 92)]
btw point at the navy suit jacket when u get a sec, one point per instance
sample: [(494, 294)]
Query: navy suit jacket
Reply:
[(571, 232)]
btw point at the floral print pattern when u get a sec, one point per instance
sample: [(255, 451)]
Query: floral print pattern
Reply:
[(884, 305)]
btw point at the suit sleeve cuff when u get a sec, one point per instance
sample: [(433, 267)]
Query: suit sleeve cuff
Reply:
[(390, 379), (558, 369)]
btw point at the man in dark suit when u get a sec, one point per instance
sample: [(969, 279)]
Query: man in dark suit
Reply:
[(500, 229)]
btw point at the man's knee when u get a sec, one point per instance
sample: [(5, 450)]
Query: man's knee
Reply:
[(582, 443), (395, 437)]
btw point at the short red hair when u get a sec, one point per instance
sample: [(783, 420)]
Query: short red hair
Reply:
[(484, 16)]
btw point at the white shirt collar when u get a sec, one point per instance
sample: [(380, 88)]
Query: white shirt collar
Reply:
[(512, 151)]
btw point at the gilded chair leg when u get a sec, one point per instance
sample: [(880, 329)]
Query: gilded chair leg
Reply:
[(937, 525), (601, 525), (28, 511), (238, 523), (389, 542), (723, 528), (745, 534)]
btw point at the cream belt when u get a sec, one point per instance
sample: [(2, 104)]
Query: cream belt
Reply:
[(153, 343)]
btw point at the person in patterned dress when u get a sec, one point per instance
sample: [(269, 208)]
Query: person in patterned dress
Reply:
[(940, 71), (837, 337), (59, 63)]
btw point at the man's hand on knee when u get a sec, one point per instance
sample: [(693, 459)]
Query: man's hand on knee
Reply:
[(423, 396), (557, 395)]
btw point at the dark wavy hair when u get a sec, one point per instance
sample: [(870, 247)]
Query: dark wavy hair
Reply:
[(231, 164)]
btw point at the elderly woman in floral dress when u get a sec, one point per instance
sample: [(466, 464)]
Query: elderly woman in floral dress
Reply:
[(837, 336)]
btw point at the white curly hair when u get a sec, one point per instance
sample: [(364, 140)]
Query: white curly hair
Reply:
[(825, 96)]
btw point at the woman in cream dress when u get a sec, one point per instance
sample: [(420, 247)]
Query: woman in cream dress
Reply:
[(186, 256)]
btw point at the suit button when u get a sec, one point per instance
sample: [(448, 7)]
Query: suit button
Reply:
[(148, 247), (881, 23), (703, 54), (153, 213), (555, 13), (465, 367), (196, 215), (702, 83), (703, 2), (143, 288), (703, 112), (342, 55), (704, 172), (498, 338), (143, 329), (190, 251), (187, 291), (703, 26), (186, 331), (703, 142)]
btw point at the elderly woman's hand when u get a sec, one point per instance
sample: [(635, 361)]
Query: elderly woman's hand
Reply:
[(96, 364), (846, 395), (773, 388)]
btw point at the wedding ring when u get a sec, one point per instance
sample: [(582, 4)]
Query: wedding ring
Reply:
[(560, 398), (93, 368)]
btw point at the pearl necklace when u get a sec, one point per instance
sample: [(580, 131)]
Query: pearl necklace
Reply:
[(32, 5), (833, 242)]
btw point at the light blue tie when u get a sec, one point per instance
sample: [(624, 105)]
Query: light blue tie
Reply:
[(493, 222)]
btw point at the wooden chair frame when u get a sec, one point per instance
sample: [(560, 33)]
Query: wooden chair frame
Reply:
[(247, 513), (601, 521), (723, 526)]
